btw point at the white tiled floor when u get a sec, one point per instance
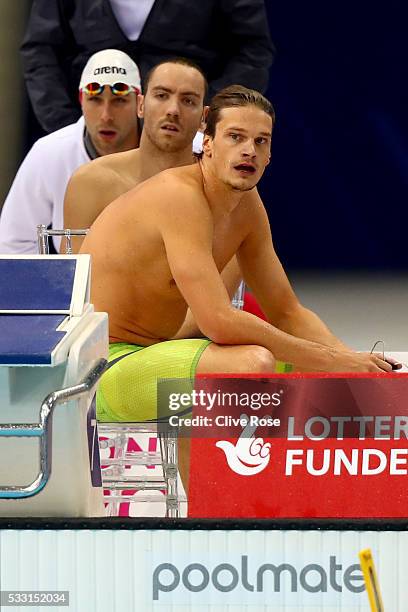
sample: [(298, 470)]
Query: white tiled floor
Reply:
[(359, 307)]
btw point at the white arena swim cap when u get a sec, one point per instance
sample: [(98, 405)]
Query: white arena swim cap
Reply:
[(111, 66)]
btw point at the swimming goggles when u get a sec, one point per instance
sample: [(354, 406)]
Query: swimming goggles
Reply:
[(118, 89)]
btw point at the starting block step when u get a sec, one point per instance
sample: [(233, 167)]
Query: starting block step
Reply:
[(29, 339)]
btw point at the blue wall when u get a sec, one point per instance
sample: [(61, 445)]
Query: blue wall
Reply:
[(337, 188)]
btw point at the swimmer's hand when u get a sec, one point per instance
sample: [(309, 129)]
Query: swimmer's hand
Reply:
[(396, 365), (348, 361)]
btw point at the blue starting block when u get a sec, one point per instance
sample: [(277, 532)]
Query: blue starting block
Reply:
[(53, 349)]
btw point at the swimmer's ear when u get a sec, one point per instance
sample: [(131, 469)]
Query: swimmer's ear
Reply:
[(207, 145), (140, 106), (204, 118)]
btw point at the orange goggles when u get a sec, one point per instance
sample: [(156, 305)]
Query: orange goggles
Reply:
[(118, 89)]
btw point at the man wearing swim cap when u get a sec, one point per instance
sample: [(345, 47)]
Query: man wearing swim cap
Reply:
[(108, 91), (160, 249)]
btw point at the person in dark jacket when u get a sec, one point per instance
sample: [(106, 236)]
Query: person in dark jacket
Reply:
[(228, 39)]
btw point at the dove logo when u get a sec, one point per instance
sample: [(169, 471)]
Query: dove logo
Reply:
[(250, 455)]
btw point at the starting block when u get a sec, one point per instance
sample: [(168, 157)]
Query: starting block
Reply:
[(53, 348)]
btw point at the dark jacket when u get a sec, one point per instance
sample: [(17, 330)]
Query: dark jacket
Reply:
[(229, 39)]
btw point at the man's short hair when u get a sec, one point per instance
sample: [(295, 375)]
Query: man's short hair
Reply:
[(182, 61), (235, 95)]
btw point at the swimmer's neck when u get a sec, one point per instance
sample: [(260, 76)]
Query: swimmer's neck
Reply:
[(222, 198), (152, 160)]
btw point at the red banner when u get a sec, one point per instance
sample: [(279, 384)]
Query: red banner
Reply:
[(332, 447)]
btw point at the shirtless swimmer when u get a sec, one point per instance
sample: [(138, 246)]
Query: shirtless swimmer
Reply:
[(161, 247)]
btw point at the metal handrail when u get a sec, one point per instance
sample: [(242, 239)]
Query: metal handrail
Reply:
[(43, 234), (43, 430)]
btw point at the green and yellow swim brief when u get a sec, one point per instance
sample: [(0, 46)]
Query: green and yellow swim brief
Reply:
[(128, 389)]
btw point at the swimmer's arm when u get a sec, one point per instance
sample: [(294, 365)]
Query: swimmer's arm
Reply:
[(83, 202), (231, 276), (264, 273), (187, 234)]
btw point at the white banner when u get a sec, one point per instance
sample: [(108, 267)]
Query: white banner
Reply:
[(164, 570)]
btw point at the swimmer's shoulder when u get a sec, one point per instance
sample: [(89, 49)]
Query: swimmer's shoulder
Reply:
[(178, 193), (252, 202), (116, 161), (95, 185), (92, 173), (116, 166), (182, 179), (251, 212), (169, 191)]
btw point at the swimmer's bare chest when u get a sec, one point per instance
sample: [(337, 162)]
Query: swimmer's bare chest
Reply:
[(148, 306)]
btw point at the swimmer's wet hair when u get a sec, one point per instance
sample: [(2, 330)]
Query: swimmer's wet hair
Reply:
[(181, 61), (235, 95)]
